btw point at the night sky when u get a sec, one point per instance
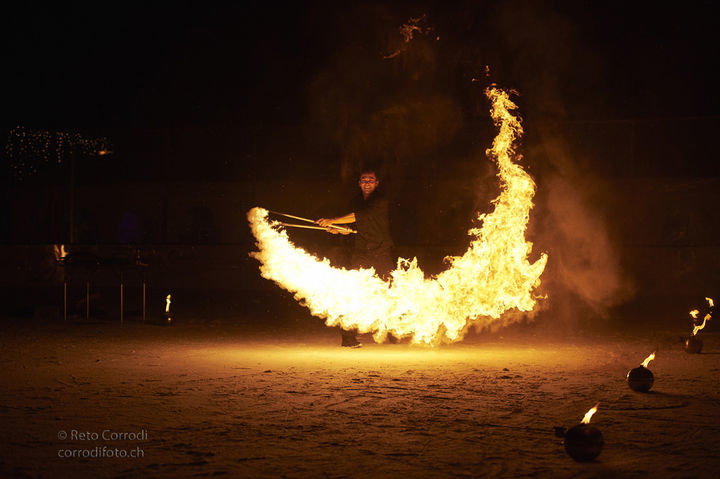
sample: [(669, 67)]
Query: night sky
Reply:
[(236, 67), (231, 92)]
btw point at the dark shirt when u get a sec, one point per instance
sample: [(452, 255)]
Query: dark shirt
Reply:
[(373, 244)]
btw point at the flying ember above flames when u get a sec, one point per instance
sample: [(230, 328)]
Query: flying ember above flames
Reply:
[(492, 277)]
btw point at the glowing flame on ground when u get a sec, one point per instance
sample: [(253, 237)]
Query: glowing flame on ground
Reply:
[(167, 303), (648, 359), (589, 414), (694, 313), (700, 327), (491, 278)]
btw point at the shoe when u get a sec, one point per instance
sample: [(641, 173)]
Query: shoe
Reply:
[(349, 339), (351, 344)]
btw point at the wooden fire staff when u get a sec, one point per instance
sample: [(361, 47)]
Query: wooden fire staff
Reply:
[(324, 228)]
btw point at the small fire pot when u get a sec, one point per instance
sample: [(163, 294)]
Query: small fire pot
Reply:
[(693, 345), (168, 315), (640, 379), (583, 442)]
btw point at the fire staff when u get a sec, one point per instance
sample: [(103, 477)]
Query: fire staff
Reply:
[(373, 243)]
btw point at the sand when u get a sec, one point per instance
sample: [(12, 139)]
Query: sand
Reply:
[(208, 398)]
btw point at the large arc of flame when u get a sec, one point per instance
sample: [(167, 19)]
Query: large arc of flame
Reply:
[(493, 277)]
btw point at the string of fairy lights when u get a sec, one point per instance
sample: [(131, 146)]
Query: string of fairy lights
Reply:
[(29, 151)]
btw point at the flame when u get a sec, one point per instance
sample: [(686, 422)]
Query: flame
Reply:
[(167, 303), (492, 277), (694, 313), (60, 252), (698, 328), (589, 414), (648, 359)]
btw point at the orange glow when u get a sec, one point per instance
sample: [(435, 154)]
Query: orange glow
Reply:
[(492, 277), (694, 313), (648, 359), (589, 414), (710, 302)]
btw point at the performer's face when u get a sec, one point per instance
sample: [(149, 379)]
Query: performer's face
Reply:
[(368, 182)]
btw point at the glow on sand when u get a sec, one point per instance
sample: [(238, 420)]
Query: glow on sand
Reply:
[(493, 277), (315, 353)]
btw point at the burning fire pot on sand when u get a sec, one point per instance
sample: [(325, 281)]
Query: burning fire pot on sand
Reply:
[(641, 379), (582, 442), (693, 344), (168, 315)]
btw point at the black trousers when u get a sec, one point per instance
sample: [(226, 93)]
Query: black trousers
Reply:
[(382, 261)]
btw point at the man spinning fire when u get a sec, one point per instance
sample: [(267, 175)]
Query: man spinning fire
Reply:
[(373, 244)]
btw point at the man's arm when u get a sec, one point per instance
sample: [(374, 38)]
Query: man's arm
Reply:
[(340, 220)]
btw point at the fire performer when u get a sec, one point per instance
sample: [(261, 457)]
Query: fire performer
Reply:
[(373, 244)]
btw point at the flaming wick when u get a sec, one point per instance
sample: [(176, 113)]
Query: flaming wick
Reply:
[(60, 252), (710, 302), (167, 304), (694, 313), (589, 414), (648, 359), (698, 328)]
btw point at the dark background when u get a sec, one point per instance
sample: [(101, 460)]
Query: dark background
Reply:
[(212, 109)]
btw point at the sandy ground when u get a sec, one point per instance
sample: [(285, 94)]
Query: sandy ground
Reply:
[(219, 400)]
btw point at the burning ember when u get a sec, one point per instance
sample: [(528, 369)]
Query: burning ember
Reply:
[(693, 344), (492, 277), (583, 442), (408, 30), (641, 379)]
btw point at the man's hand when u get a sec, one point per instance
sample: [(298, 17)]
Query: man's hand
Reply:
[(331, 224), (324, 222), (336, 231)]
